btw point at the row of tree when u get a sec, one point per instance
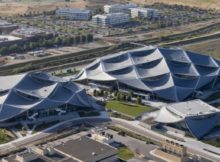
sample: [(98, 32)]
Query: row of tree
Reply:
[(127, 97), (119, 96), (46, 43)]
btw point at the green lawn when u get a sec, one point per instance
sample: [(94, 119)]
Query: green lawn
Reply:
[(128, 109), (215, 143), (4, 138), (125, 153)]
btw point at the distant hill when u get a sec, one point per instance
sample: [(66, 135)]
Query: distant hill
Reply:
[(13, 7), (198, 3)]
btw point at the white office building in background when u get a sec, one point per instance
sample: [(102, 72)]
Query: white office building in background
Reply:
[(110, 19), (74, 14), (117, 8), (144, 13)]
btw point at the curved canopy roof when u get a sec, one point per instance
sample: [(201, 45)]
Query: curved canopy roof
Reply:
[(199, 117), (37, 90), (165, 72)]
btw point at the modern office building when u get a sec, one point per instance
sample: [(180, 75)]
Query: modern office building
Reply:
[(87, 150), (2, 61), (170, 150), (159, 73), (144, 13), (8, 40), (7, 27), (74, 14), (38, 96), (113, 19), (118, 8), (195, 116), (30, 33), (77, 149)]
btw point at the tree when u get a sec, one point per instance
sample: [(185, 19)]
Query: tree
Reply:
[(3, 134), (139, 101), (83, 39), (14, 48), (127, 98), (130, 95), (69, 70), (89, 37), (77, 39), (101, 92), (4, 51), (118, 96), (57, 41), (94, 92), (123, 97), (106, 93)]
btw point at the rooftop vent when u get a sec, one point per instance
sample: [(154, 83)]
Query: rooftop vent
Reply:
[(93, 154)]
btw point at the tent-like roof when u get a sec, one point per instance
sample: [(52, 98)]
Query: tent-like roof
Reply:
[(199, 117), (172, 74), (37, 90)]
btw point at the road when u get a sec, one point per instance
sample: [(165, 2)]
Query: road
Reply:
[(27, 140), (140, 147), (193, 146)]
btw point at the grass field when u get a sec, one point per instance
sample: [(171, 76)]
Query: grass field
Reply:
[(131, 110), (210, 47), (125, 153)]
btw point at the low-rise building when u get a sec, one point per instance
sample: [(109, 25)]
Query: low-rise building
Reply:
[(29, 33), (195, 117), (8, 40), (87, 150), (171, 151), (110, 19), (77, 149), (117, 8), (74, 14), (102, 137), (7, 27), (2, 61), (38, 53), (16, 57), (175, 148), (144, 13)]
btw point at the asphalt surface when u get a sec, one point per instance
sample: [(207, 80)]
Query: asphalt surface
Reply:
[(27, 140), (193, 146), (137, 146)]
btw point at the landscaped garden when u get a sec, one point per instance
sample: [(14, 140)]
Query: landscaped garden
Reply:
[(129, 109), (125, 153)]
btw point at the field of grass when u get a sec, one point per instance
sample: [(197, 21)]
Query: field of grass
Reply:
[(215, 143), (125, 153), (210, 47), (128, 109)]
